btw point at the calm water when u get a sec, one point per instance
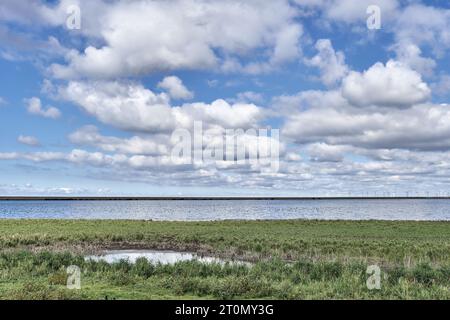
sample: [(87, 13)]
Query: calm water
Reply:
[(155, 257), (386, 209)]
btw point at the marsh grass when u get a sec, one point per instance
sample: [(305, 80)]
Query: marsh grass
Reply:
[(292, 259), (42, 276), (382, 242)]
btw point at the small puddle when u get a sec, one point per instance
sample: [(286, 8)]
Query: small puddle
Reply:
[(157, 257)]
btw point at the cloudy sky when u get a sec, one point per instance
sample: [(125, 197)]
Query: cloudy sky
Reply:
[(91, 110)]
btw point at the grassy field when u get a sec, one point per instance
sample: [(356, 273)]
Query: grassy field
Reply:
[(292, 259)]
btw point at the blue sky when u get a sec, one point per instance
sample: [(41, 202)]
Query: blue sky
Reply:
[(91, 110)]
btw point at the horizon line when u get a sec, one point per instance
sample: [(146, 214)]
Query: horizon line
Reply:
[(181, 198)]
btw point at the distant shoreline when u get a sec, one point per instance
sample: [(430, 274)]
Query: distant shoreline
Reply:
[(124, 198)]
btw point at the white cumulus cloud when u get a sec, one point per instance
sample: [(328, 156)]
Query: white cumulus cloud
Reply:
[(391, 85), (175, 88), (181, 34), (330, 63), (28, 140), (131, 106), (34, 106)]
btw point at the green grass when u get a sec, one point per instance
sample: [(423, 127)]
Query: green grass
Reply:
[(293, 259)]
